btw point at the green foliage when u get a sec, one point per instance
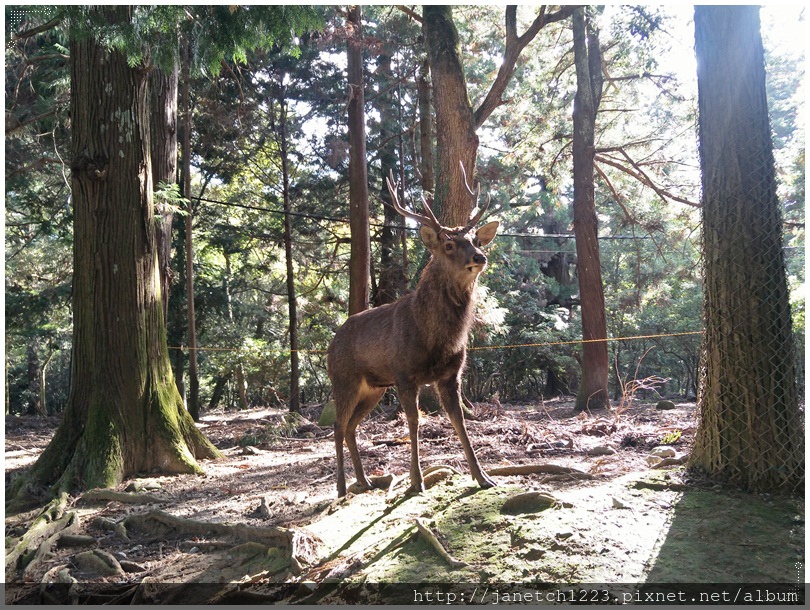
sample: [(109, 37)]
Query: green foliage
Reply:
[(247, 61), (168, 200), (151, 34)]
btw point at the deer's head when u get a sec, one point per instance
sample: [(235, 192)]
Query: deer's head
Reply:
[(456, 250)]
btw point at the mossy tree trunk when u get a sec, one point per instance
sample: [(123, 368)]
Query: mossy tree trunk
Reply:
[(593, 389), (750, 430), (124, 414)]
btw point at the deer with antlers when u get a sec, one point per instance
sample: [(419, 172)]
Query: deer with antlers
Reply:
[(419, 339)]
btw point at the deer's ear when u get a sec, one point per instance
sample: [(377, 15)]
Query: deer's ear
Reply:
[(486, 233), (429, 237)]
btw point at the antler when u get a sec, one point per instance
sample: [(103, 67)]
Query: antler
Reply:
[(474, 220), (428, 220)]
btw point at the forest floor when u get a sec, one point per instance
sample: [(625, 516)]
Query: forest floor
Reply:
[(581, 510)]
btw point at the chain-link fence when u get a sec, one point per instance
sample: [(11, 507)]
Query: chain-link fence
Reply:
[(751, 429)]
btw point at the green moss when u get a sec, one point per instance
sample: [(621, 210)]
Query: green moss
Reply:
[(99, 456)]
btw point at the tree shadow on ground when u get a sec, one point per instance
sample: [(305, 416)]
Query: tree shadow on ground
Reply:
[(724, 544)]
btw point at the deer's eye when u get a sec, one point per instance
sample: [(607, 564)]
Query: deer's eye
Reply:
[(448, 246)]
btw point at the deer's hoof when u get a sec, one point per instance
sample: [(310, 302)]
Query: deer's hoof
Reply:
[(485, 482), (415, 489), (357, 487)]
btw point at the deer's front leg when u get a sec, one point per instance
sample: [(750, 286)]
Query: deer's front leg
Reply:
[(409, 397), (450, 395)]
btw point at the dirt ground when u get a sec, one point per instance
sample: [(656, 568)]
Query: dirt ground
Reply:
[(596, 513)]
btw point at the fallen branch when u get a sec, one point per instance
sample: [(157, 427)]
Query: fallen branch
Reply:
[(434, 542)]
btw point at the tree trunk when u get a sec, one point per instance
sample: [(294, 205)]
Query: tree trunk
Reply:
[(392, 281), (34, 380), (427, 160), (593, 390), (43, 403), (456, 122), (218, 391), (193, 401), (124, 414), (456, 139), (750, 429), (176, 322), (238, 370), (360, 263), (292, 300), (163, 92)]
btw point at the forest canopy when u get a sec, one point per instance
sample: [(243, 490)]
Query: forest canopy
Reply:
[(269, 191)]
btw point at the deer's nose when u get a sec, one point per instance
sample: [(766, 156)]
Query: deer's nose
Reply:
[(479, 259)]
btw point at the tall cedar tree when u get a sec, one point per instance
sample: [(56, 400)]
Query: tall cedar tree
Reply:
[(750, 430), (593, 389), (359, 268), (124, 413)]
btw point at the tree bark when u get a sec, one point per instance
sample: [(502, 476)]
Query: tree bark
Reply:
[(456, 122), (124, 414), (193, 399), (360, 263), (750, 429), (427, 160), (163, 92), (292, 299), (593, 390), (35, 406), (392, 281), (456, 140)]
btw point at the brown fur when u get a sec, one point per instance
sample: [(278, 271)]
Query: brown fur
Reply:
[(419, 339)]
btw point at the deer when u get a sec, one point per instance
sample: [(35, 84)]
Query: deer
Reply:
[(417, 340)]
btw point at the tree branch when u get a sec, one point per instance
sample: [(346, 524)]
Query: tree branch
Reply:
[(514, 46), (636, 172), (411, 13), (37, 30), (16, 124)]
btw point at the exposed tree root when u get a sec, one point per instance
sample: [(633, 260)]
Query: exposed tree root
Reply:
[(110, 495), (656, 486), (98, 561), (336, 569), (553, 469), (31, 560), (529, 502), (51, 521), (435, 474), (676, 461), (301, 547)]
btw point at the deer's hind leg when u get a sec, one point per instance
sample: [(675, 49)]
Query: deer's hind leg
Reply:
[(368, 400), (352, 403)]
